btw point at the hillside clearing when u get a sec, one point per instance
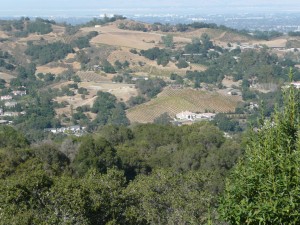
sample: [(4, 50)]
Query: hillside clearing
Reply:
[(111, 35), (5, 76)]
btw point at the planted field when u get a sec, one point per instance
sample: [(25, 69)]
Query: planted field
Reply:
[(88, 76), (174, 101)]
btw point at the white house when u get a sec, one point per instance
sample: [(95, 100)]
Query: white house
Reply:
[(206, 116), (186, 116), (195, 116), (296, 84), (74, 128), (21, 93), (6, 97), (10, 104), (11, 114)]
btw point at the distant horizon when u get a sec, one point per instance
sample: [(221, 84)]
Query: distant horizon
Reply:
[(78, 8)]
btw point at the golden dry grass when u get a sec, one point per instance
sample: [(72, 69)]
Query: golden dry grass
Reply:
[(150, 66), (229, 82), (122, 92), (3, 34), (278, 42), (5, 76), (111, 35), (47, 69)]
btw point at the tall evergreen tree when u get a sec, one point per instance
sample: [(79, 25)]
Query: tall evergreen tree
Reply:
[(264, 188)]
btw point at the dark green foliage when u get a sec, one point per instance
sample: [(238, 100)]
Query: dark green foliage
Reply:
[(150, 87), (115, 134), (247, 94), (7, 61), (133, 51), (39, 115), (37, 198), (81, 42), (95, 153), (162, 56), (82, 57), (49, 77), (226, 124), (9, 137), (108, 110), (47, 53), (181, 27), (71, 30), (83, 91), (260, 64), (266, 35), (182, 64), (137, 100), (18, 24), (39, 26), (294, 33), (103, 21), (152, 53), (39, 185), (107, 67), (163, 119), (92, 34), (166, 197), (168, 41), (211, 75), (2, 83), (21, 34), (264, 187), (120, 66), (118, 79), (52, 159), (133, 26)]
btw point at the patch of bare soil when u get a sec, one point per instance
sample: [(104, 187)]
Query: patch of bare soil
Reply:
[(47, 69), (5, 76)]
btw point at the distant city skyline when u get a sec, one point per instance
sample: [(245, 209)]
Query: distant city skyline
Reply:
[(94, 7)]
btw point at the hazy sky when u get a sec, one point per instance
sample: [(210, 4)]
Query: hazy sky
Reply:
[(14, 7)]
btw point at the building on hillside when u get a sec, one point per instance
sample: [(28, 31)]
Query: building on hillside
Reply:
[(4, 121), (206, 116), (21, 93), (71, 130), (190, 116), (75, 128), (10, 104), (140, 78), (1, 111), (296, 84), (186, 115), (6, 97), (11, 114)]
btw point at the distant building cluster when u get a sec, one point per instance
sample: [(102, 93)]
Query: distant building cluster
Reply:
[(296, 84), (71, 130), (190, 116), (9, 104)]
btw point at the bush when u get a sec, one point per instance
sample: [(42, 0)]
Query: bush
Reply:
[(182, 64)]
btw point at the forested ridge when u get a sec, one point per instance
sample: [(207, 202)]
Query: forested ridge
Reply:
[(147, 174), (155, 174)]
